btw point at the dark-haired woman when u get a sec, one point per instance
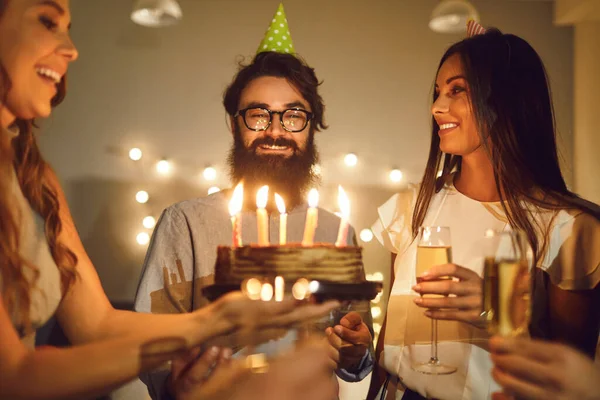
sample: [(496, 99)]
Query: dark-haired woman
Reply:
[(493, 139)]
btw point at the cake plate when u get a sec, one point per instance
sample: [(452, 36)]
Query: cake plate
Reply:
[(319, 290)]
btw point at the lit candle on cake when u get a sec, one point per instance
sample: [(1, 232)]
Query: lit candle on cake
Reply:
[(344, 205), (279, 288), (262, 220), (311, 218), (235, 210), (282, 220)]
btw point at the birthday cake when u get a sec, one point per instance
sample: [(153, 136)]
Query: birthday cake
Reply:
[(322, 262)]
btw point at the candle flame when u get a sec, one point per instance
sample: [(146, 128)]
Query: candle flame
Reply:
[(262, 196), (343, 203), (280, 204), (235, 204), (313, 198)]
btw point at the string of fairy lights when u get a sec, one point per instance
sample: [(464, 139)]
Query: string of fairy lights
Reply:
[(210, 174)]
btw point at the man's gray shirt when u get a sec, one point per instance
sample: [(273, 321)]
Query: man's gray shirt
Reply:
[(182, 253)]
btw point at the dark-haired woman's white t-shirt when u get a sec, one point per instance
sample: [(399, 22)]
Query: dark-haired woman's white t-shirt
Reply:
[(570, 265)]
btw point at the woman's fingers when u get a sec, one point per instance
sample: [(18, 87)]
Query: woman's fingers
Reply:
[(526, 369), (459, 303), (255, 314), (520, 388), (452, 270), (448, 286)]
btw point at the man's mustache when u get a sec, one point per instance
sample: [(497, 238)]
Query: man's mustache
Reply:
[(269, 141)]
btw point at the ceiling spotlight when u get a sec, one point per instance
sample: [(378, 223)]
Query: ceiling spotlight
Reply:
[(142, 238), (135, 154), (210, 174), (163, 167), (395, 175), (156, 13), (213, 189), (451, 16), (366, 235), (351, 159), (142, 196), (149, 222)]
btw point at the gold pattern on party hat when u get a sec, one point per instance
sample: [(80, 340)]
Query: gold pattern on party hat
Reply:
[(278, 38), (474, 28)]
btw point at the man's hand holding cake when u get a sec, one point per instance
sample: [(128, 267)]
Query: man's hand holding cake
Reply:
[(351, 340)]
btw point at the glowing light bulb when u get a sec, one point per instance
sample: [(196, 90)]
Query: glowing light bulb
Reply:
[(135, 154), (377, 298), (351, 159), (142, 238), (375, 311), (210, 174), (366, 235), (142, 196), (252, 288), (149, 222), (395, 175), (378, 276), (163, 167), (316, 169)]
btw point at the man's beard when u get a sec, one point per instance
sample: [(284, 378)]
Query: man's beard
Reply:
[(289, 177)]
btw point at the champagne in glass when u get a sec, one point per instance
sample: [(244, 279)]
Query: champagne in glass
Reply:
[(433, 248), (428, 256), (506, 283)]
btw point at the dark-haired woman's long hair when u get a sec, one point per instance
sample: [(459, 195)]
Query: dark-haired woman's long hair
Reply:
[(511, 101), (23, 155)]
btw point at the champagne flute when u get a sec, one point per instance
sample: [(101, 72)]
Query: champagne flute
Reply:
[(506, 282), (433, 248)]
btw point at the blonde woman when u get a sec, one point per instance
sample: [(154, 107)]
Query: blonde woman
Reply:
[(44, 269)]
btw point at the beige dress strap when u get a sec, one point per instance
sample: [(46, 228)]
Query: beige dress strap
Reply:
[(33, 246)]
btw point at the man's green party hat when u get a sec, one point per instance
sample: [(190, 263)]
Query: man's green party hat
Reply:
[(278, 38)]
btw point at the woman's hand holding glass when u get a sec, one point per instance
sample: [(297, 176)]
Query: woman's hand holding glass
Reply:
[(465, 285)]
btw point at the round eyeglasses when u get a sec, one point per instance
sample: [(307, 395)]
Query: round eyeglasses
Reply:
[(259, 119)]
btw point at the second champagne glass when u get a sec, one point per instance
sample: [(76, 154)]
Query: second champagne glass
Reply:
[(506, 282), (433, 248)]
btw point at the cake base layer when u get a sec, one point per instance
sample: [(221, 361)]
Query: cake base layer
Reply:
[(323, 262)]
